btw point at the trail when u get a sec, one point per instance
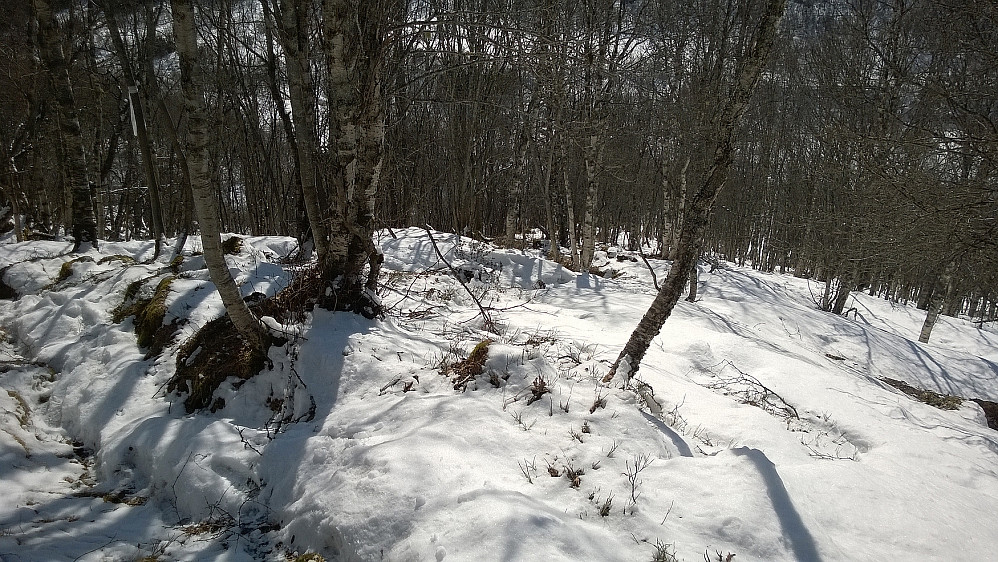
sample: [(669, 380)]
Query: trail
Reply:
[(52, 508)]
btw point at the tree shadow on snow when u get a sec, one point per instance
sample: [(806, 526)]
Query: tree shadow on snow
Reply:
[(794, 530)]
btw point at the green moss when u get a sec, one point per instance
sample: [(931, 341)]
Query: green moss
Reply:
[(150, 332), (176, 263), (133, 289), (215, 353), (309, 557), (66, 271), (149, 328), (127, 260)]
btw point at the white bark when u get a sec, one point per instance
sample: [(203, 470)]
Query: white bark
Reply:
[(205, 201)]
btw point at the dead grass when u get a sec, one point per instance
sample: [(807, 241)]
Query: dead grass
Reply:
[(204, 362), (294, 302), (232, 245), (24, 412), (464, 372), (941, 401)]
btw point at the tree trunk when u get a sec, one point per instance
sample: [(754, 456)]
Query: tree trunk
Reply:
[(296, 56), (593, 158), (699, 207), (140, 131), (354, 52), (694, 281), (680, 209), (205, 198), (74, 161), (936, 302)]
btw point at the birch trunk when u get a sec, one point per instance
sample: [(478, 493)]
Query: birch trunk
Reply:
[(593, 156), (74, 162), (680, 209), (205, 198), (353, 57), (936, 302), (698, 212), (302, 97)]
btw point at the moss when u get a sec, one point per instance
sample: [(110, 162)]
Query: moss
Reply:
[(66, 271), (150, 332), (127, 260), (133, 289), (149, 328), (232, 245), (309, 557), (941, 401), (175, 264), (204, 362)]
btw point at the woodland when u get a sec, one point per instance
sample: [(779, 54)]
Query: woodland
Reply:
[(853, 142)]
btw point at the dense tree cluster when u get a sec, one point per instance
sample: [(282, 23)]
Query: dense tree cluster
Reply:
[(866, 158)]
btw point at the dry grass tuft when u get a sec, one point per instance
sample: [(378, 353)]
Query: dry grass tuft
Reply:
[(464, 372), (941, 401), (215, 353)]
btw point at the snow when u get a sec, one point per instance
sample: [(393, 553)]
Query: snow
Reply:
[(762, 427)]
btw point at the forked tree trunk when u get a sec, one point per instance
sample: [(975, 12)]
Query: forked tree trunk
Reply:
[(74, 160), (205, 198), (699, 207)]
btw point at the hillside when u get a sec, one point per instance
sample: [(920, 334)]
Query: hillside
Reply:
[(773, 435)]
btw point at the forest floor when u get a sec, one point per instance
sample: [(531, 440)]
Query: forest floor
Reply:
[(432, 434)]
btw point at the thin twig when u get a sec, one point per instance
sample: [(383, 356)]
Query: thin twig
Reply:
[(489, 324), (654, 278)]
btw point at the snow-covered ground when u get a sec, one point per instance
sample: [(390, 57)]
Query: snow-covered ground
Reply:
[(777, 438)]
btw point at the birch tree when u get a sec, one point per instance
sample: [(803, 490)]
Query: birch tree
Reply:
[(205, 198), (73, 155), (355, 34), (719, 144)]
